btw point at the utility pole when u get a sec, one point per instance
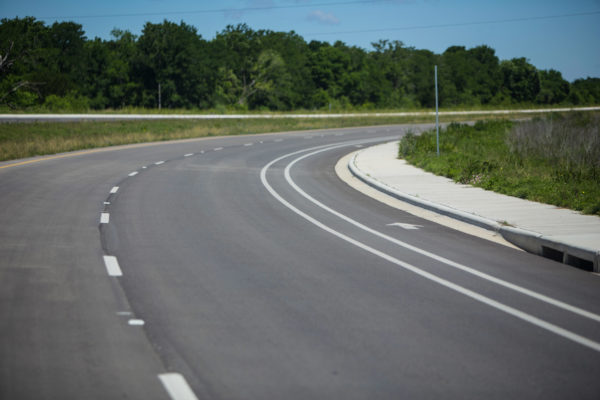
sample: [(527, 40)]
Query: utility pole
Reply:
[(159, 99), (437, 118)]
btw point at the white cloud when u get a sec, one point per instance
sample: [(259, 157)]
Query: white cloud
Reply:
[(323, 17)]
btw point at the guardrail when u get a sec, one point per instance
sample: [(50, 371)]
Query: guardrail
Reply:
[(119, 117)]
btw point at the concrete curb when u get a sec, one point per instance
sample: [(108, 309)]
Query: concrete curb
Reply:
[(529, 241)]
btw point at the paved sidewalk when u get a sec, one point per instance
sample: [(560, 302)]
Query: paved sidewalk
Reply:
[(556, 233)]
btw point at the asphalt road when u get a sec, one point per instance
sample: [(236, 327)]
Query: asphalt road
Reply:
[(243, 268)]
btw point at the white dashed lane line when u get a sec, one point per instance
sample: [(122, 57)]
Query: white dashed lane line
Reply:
[(177, 386), (159, 162), (114, 190), (248, 144), (112, 266), (134, 173), (123, 313), (136, 322), (104, 218), (188, 154), (218, 149)]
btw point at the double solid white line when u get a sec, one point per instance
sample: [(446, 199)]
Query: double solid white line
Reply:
[(460, 289)]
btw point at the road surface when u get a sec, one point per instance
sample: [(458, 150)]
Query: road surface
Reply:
[(243, 268)]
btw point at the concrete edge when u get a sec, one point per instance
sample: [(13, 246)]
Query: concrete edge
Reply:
[(416, 201), (529, 241)]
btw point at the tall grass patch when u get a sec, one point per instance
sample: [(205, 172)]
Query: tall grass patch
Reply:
[(555, 160), (25, 139)]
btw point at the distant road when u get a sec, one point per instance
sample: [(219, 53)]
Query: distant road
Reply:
[(125, 117), (244, 268)]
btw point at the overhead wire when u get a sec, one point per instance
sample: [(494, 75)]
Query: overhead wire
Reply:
[(458, 24), (219, 10)]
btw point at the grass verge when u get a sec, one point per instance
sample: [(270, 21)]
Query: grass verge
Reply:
[(555, 160), (26, 139)]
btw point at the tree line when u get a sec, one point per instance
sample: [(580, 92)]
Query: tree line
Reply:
[(57, 67)]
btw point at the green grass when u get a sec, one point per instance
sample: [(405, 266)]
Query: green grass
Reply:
[(20, 140), (554, 160)]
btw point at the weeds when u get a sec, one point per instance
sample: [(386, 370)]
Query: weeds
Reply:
[(554, 160), (571, 144), (19, 140)]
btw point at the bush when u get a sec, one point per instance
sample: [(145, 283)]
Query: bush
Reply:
[(71, 103), (554, 160)]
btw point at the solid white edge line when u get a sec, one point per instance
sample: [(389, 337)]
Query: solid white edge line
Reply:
[(114, 190), (462, 290), (464, 268), (176, 386), (104, 218), (112, 266)]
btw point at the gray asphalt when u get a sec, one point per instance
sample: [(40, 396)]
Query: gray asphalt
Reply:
[(247, 299)]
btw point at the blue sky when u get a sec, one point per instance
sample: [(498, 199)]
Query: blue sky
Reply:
[(566, 42)]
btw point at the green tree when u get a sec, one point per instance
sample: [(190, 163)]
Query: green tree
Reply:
[(295, 54), (420, 77), (585, 91), (110, 78), (171, 55), (269, 83), (469, 77), (553, 88), (520, 79), (235, 52), (21, 55), (389, 69)]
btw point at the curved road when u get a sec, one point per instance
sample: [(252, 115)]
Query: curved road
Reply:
[(243, 268)]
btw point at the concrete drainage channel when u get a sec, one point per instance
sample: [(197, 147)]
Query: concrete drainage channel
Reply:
[(532, 242), (586, 259)]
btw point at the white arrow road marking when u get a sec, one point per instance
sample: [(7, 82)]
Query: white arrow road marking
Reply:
[(406, 226)]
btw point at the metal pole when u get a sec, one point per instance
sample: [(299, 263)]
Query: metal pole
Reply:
[(437, 118), (159, 99)]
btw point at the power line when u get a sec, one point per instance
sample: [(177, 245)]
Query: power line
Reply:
[(416, 27), (221, 10)]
